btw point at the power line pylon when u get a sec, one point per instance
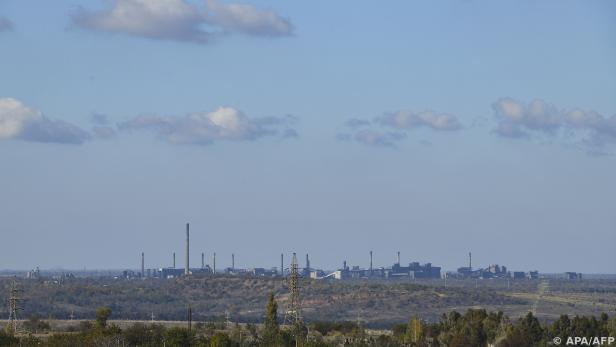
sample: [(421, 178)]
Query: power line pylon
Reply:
[(293, 314), (14, 303)]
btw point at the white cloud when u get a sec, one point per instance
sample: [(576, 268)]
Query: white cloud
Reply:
[(247, 19), (222, 124), (154, 19), (370, 132), (19, 121), (179, 20), (378, 138), (409, 120), (14, 116), (516, 119)]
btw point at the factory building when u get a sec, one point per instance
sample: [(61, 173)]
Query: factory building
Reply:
[(412, 271), (261, 272), (492, 271), (519, 275), (34, 274), (573, 275)]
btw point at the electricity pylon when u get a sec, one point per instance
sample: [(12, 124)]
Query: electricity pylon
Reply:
[(14, 303), (293, 314)]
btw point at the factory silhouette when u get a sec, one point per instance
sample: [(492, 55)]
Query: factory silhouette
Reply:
[(397, 271)]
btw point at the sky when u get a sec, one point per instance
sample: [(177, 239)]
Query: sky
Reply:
[(320, 127)]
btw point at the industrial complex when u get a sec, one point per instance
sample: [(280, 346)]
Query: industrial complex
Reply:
[(396, 271)]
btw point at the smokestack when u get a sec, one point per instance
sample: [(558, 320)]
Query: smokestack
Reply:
[(370, 261), (202, 260), (174, 260), (187, 261), (344, 265), (281, 264), (142, 265), (398, 257), (232, 261), (470, 261), (214, 264), (307, 263)]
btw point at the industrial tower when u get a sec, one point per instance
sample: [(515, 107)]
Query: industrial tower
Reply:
[(187, 260), (293, 314), (14, 303)]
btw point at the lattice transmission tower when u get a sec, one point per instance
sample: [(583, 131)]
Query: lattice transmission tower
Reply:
[(14, 303), (293, 314)]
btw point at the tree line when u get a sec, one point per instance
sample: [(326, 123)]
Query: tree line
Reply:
[(476, 327)]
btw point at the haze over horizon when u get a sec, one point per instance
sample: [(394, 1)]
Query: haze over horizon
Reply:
[(430, 128)]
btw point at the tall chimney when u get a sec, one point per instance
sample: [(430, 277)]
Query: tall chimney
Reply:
[(214, 263), (202, 260), (398, 257), (187, 260), (370, 261), (281, 264), (174, 260), (232, 261), (307, 263), (142, 265), (470, 261)]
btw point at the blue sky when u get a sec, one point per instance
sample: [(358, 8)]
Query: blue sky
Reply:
[(325, 127)]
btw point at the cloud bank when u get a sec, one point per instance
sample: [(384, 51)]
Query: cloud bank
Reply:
[(405, 120), (516, 119), (388, 129), (222, 124), (179, 20), (18, 121)]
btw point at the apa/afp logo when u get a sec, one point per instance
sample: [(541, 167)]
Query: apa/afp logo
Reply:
[(585, 341)]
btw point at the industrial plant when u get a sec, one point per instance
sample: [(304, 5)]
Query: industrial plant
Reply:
[(397, 271), (491, 271)]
